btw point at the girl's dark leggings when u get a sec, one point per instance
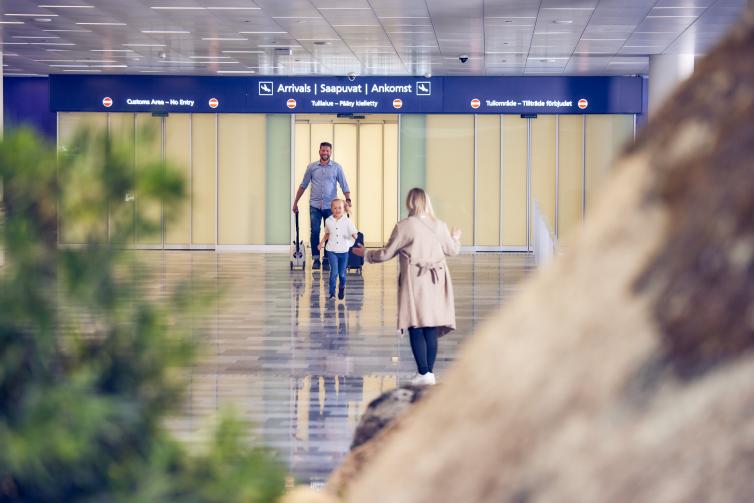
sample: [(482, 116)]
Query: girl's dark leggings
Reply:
[(424, 347)]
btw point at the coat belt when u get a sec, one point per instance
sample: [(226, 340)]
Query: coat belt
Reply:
[(433, 268)]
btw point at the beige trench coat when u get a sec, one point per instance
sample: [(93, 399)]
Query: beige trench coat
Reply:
[(425, 291)]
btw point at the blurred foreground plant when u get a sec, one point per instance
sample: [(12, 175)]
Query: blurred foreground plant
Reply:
[(89, 367)]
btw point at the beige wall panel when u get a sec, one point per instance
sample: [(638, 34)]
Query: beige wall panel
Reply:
[(319, 133), (370, 201), (606, 135), (122, 130), (450, 170), (178, 156), (241, 178), (488, 198), (203, 153), (303, 156), (346, 153), (148, 151), (543, 167), (514, 180), (570, 179), (68, 124), (390, 177)]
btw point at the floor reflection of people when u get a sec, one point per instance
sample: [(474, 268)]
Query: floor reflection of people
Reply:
[(323, 432), (355, 292), (335, 329)]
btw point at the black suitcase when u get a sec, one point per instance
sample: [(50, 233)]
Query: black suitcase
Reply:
[(354, 261), (298, 251)]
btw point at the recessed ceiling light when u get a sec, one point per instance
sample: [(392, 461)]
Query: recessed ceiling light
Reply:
[(101, 24), (52, 43), (175, 7), (111, 50), (66, 6), (143, 45), (225, 39), (11, 22), (210, 57), (83, 71), (43, 20), (262, 32), (68, 31), (234, 8), (30, 36), (659, 17), (242, 52), (236, 71), (165, 32), (563, 21), (41, 14)]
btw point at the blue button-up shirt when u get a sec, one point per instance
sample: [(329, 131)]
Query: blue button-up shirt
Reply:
[(323, 180)]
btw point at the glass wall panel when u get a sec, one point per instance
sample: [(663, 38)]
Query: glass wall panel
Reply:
[(303, 157), (515, 139), (413, 151), (570, 176), (488, 201), (148, 151), (68, 124), (450, 170), (203, 162), (278, 180), (241, 178), (122, 127), (345, 152), (390, 179), (178, 156), (543, 167), (371, 192), (319, 133), (606, 135)]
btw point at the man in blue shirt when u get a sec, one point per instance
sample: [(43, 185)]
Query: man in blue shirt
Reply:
[(324, 177)]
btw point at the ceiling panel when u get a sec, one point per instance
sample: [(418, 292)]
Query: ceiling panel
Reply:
[(302, 37)]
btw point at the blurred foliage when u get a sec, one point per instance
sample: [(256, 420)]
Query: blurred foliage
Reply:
[(89, 366)]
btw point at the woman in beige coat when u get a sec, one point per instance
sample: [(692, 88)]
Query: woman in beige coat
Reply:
[(425, 292)]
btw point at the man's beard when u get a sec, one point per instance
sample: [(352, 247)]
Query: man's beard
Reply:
[(324, 158)]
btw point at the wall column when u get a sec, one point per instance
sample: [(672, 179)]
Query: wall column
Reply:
[(665, 72)]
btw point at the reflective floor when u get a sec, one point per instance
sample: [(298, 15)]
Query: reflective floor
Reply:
[(301, 368)]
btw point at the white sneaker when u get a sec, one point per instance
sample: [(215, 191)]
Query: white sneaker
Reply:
[(427, 379)]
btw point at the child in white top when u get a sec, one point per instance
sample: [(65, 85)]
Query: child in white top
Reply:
[(340, 234)]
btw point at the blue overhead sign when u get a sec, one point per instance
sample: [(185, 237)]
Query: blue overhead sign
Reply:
[(545, 95), (360, 95), (342, 95)]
